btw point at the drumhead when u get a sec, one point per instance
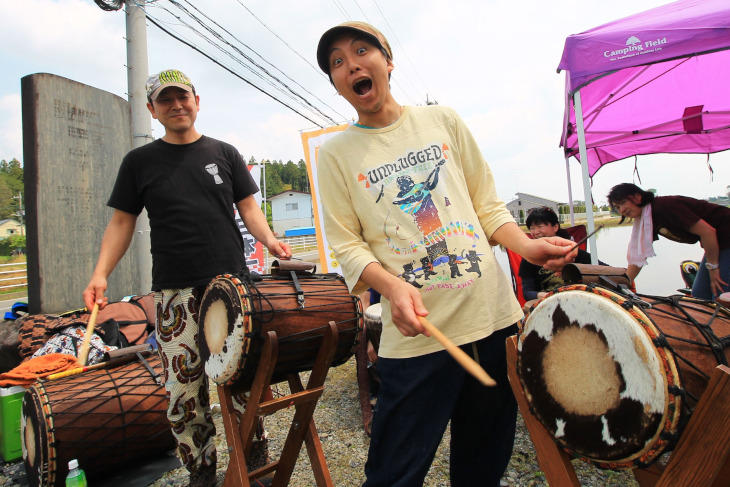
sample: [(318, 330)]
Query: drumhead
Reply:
[(594, 377), (224, 328), (373, 315), (39, 456)]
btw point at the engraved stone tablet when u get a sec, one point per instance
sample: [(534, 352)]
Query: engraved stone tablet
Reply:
[(74, 139)]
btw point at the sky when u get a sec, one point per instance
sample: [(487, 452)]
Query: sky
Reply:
[(494, 61)]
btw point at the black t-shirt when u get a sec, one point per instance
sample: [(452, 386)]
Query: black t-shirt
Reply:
[(536, 278), (189, 192), (672, 216)]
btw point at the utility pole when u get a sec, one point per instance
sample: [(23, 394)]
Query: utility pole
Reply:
[(20, 210), (266, 207), (137, 73)]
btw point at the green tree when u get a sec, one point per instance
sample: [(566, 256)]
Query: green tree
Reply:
[(290, 175), (274, 184), (304, 175), (12, 244), (8, 204), (11, 187)]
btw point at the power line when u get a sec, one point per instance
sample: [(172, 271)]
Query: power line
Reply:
[(316, 69), (261, 57), (405, 53), (339, 7), (258, 71), (195, 48), (261, 73)]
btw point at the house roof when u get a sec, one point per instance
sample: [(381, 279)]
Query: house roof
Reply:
[(286, 192)]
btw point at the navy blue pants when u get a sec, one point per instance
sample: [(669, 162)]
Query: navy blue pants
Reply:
[(417, 398)]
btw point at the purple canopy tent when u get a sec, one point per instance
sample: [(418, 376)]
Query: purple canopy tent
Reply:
[(654, 82)]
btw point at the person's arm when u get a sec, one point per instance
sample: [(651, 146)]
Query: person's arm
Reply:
[(256, 223), (405, 300), (708, 240), (529, 288), (550, 252), (632, 271), (529, 281), (117, 237)]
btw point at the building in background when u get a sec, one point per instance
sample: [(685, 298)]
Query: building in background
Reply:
[(291, 209), (520, 206), (10, 227)]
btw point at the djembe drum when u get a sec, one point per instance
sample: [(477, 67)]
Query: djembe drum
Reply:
[(104, 418), (373, 324), (236, 313), (614, 379)]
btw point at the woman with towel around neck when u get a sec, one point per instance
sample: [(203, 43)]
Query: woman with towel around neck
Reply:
[(682, 219)]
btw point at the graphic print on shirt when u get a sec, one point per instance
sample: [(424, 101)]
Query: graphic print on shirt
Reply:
[(213, 170), (419, 222)]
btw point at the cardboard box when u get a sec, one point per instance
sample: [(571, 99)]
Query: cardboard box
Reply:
[(11, 403)]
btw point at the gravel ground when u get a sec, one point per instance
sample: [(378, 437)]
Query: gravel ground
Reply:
[(345, 444)]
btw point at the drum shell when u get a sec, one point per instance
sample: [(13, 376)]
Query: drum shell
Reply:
[(374, 324), (272, 304), (104, 418), (668, 324)]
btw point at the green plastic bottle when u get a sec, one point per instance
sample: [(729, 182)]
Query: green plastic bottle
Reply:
[(76, 477)]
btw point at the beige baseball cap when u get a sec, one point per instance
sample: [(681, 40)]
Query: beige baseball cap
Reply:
[(370, 32)]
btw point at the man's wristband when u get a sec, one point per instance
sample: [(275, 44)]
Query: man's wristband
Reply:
[(711, 266)]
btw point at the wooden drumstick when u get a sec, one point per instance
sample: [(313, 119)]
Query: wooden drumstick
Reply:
[(84, 352), (583, 240), (459, 355)]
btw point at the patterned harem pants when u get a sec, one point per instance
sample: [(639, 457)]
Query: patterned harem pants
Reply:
[(185, 381)]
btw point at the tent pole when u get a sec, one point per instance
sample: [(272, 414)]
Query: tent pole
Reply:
[(586, 177), (570, 191)]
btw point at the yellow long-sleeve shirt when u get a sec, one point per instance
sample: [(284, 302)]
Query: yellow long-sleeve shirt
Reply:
[(419, 198)]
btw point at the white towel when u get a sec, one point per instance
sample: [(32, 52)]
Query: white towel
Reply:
[(641, 245)]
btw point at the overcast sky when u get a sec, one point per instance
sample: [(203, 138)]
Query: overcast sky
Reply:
[(494, 61)]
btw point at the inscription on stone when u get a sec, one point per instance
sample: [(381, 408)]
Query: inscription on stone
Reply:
[(74, 137)]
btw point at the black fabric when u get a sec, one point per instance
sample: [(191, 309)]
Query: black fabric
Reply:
[(111, 335), (189, 192), (536, 279), (672, 216)]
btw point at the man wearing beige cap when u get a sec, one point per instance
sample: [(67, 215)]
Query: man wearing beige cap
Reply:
[(189, 184), (408, 185)]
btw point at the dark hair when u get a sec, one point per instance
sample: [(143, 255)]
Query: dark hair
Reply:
[(541, 215), (622, 191)]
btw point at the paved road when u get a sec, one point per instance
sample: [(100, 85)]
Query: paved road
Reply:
[(7, 303)]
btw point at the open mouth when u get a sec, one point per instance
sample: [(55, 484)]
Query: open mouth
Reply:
[(362, 86)]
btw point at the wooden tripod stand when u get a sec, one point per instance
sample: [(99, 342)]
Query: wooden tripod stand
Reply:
[(239, 435), (701, 457)]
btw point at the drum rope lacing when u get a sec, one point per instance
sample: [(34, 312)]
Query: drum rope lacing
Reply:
[(712, 342), (120, 384), (264, 311)]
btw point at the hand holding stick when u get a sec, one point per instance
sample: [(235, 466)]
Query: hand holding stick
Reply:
[(84, 351), (459, 355), (582, 241)]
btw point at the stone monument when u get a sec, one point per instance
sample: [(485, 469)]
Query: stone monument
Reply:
[(74, 139)]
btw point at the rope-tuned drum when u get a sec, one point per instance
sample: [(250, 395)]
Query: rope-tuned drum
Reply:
[(235, 313), (614, 378)]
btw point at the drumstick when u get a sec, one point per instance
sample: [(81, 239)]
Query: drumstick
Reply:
[(459, 355), (76, 370), (84, 352), (582, 241), (101, 365)]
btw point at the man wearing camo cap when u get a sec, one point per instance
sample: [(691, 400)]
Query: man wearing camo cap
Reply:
[(189, 184)]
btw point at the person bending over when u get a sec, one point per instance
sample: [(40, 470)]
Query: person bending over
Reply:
[(681, 219)]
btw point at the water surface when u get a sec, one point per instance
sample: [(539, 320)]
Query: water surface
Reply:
[(661, 277)]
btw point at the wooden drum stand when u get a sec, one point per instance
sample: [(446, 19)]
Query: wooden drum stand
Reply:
[(240, 435), (701, 457)]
